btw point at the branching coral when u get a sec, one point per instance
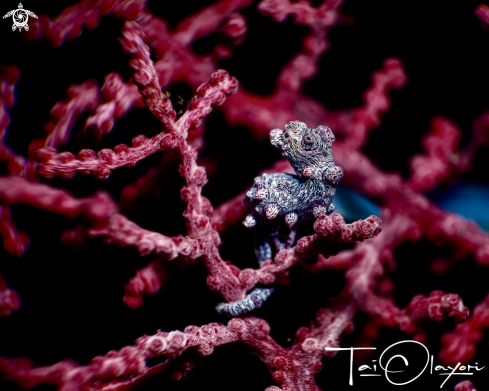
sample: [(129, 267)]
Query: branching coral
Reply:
[(107, 193)]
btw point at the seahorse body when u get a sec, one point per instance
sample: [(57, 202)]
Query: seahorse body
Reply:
[(279, 202)]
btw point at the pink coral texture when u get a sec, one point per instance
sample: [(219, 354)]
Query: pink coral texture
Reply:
[(120, 205)]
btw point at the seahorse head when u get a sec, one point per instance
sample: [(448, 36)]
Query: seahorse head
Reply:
[(305, 148)]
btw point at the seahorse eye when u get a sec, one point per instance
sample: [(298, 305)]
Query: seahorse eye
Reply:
[(286, 135)]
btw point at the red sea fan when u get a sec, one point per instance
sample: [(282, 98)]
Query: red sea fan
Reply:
[(130, 132)]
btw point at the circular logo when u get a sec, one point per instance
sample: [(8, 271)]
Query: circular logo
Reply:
[(20, 17)]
